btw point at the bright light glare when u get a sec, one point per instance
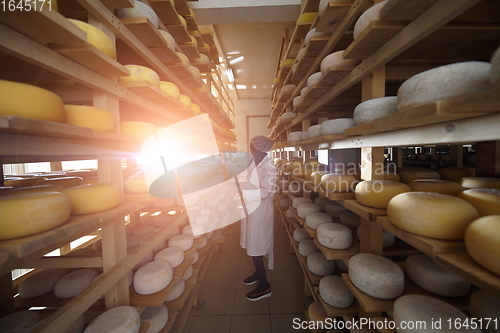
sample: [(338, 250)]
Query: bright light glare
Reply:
[(233, 52), (236, 60), (241, 86)]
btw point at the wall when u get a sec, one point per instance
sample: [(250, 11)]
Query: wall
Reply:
[(258, 125)]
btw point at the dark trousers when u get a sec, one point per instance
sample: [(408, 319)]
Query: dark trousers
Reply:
[(260, 270)]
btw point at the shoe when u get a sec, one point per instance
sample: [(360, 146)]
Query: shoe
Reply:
[(251, 280), (259, 293)]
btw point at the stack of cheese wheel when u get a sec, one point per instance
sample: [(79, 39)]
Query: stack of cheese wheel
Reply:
[(436, 186), (27, 101), (408, 175), (371, 14), (376, 276), (455, 173), (428, 275), (140, 9), (431, 215), (137, 129), (121, 319), (336, 126), (334, 236), (139, 74), (367, 111), (88, 199), (481, 241), (485, 200), (335, 292), (338, 182), (480, 182), (152, 277), (378, 193), (319, 265), (74, 283), (337, 60), (97, 38)]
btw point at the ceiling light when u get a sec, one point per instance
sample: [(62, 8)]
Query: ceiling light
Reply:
[(236, 60), (229, 74), (241, 86)]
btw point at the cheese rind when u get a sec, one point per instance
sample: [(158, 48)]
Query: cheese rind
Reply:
[(480, 182), (305, 209), (41, 283), (300, 200), (367, 111), (378, 193), (152, 277), (485, 200), (74, 283), (182, 241), (173, 255), (409, 175), (482, 239), (334, 236), (300, 235), (371, 14), (319, 265), (156, 317), (140, 9), (93, 198), (335, 292), (314, 220), (436, 186), (121, 319), (306, 247), (97, 38), (140, 73), (338, 182), (19, 322), (88, 116)]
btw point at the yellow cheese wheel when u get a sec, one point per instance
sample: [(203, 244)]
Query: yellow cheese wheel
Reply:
[(97, 38), (27, 101), (88, 116), (195, 108), (455, 173), (306, 17), (195, 72), (170, 89), (436, 186), (90, 180), (207, 31), (23, 181), (183, 58), (88, 199), (482, 241), (140, 73), (63, 181), (431, 215), (316, 312), (409, 175), (338, 182), (378, 193), (135, 184), (185, 100), (183, 21), (286, 62), (137, 129), (32, 213), (32, 189), (168, 39), (316, 176), (203, 59), (485, 200), (480, 182), (302, 172)]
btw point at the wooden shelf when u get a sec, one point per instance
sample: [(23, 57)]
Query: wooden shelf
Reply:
[(333, 14), (332, 311), (368, 213), (331, 254)]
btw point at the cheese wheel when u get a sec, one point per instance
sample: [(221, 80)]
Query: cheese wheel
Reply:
[(338, 182), (139, 74), (336, 126), (156, 317), (300, 200), (350, 219), (135, 184), (97, 38), (334, 209), (482, 239), (168, 39), (409, 175), (300, 55), (313, 79), (314, 131), (305, 209), (431, 215), (319, 265), (203, 59), (378, 193), (19, 322), (306, 17), (88, 199), (495, 67), (78, 326), (177, 291), (132, 241), (455, 173), (480, 182), (425, 310), (74, 283), (334, 236), (294, 136), (483, 304), (314, 220), (376, 276), (485, 200), (300, 235), (196, 108), (41, 283), (32, 189), (284, 202), (371, 14), (121, 319), (335, 292), (317, 313), (147, 258), (173, 255), (146, 239), (436, 186), (198, 229), (140, 9), (305, 135), (170, 89), (296, 101), (27, 101), (428, 275), (185, 100), (306, 247), (137, 129), (88, 116), (152, 277), (183, 21), (336, 59), (316, 176), (183, 59), (321, 201), (196, 256), (288, 89), (313, 33), (444, 82), (28, 214), (188, 273), (184, 242), (367, 111)]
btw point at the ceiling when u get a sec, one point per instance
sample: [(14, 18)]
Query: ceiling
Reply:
[(250, 37)]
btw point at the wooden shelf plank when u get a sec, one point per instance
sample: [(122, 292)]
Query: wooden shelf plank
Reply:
[(149, 91), (333, 14), (340, 254), (332, 311), (166, 11), (310, 231), (368, 213), (172, 315), (190, 50)]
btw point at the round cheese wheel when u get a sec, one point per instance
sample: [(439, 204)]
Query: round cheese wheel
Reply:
[(300, 200), (132, 241), (32, 213), (27, 101), (306, 247), (183, 59), (188, 273), (306, 17), (314, 131), (19, 322), (78, 326), (177, 291), (300, 235), (485, 200), (300, 55), (480, 182), (97, 38), (482, 239), (455, 173), (135, 184), (336, 59), (152, 277), (376, 276), (483, 304), (378, 193), (194, 230), (305, 135), (336, 126), (88, 199), (367, 111), (316, 176), (305, 209), (311, 34), (203, 59), (431, 215), (182, 241), (314, 220), (32, 189), (316, 312), (170, 89), (334, 236), (371, 14), (335, 292), (334, 209), (321, 201), (338, 182), (88, 116), (428, 275), (289, 214), (140, 73), (425, 310), (319, 265), (288, 115), (185, 100), (495, 67), (140, 9), (284, 203), (314, 79), (286, 62), (350, 219), (409, 175), (183, 21), (121, 319), (196, 255), (137, 129), (168, 39), (147, 239), (436, 186), (296, 103), (147, 258), (173, 255), (294, 136), (74, 283), (41, 283), (156, 317), (444, 82), (288, 89)]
